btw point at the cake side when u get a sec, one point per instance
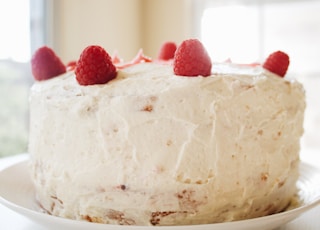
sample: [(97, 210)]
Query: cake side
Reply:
[(152, 148)]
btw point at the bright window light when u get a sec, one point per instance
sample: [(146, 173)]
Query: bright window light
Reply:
[(250, 31), (231, 32), (15, 30)]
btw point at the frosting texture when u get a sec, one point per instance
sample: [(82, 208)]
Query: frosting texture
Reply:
[(153, 148)]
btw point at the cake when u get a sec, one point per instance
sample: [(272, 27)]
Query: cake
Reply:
[(151, 147)]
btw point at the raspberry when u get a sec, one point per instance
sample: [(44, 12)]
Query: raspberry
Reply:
[(191, 59), (94, 66), (45, 64), (277, 63), (167, 51)]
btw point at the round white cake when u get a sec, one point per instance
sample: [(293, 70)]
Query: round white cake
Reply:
[(153, 148)]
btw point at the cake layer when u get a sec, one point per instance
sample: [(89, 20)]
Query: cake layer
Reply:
[(153, 148)]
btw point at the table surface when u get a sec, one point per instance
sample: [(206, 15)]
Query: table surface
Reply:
[(9, 220)]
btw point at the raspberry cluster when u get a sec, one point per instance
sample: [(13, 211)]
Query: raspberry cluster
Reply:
[(95, 66)]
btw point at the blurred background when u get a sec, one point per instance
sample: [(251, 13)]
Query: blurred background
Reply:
[(243, 30)]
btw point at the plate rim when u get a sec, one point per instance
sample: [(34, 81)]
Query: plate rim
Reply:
[(26, 211)]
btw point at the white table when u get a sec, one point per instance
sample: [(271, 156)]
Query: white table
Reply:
[(9, 220)]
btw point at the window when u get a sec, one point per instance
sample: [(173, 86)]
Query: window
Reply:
[(224, 38), (20, 20), (248, 31)]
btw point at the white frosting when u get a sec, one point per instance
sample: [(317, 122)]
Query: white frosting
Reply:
[(151, 147)]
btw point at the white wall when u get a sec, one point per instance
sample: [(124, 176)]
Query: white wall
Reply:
[(166, 20), (123, 25), (111, 24)]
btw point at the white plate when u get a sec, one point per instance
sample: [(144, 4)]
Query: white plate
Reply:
[(17, 193)]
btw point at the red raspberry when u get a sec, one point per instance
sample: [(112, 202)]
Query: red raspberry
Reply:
[(45, 64), (167, 51), (95, 66), (277, 63), (191, 59)]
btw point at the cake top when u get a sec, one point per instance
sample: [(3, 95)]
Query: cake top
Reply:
[(189, 59)]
